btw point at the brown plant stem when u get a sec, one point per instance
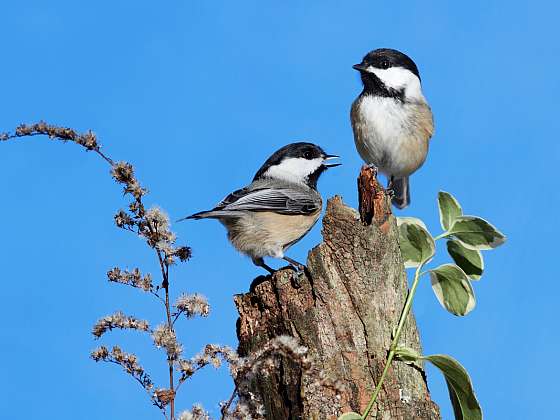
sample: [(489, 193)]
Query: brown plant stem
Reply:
[(88, 140), (165, 284), (225, 408), (170, 326)]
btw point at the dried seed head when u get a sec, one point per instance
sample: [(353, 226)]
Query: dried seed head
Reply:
[(195, 413), (118, 320), (100, 353), (158, 218), (214, 354), (164, 396), (165, 337), (124, 220), (192, 305), (122, 172), (131, 278), (184, 253), (187, 369)]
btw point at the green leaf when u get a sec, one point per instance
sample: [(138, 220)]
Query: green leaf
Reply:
[(461, 393), (476, 233), (453, 289), (470, 260), (463, 399), (449, 209), (407, 354), (416, 243), (350, 416)]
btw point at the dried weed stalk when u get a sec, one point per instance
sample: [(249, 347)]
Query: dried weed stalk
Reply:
[(153, 226)]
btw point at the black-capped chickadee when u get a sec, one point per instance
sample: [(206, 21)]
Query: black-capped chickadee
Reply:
[(391, 119), (278, 208)]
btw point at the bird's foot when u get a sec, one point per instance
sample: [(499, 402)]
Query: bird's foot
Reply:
[(374, 168), (390, 190), (298, 267), (300, 271)]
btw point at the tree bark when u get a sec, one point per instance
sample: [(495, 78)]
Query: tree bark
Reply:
[(343, 309)]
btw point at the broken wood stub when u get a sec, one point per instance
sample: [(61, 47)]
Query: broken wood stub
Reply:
[(373, 203), (343, 310)]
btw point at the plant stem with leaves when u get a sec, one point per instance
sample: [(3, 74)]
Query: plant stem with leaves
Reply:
[(466, 237)]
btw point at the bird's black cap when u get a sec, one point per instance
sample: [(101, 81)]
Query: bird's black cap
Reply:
[(384, 58), (298, 150)]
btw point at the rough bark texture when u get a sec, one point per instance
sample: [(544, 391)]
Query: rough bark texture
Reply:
[(343, 309)]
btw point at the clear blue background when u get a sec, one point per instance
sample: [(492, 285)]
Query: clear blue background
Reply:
[(196, 94)]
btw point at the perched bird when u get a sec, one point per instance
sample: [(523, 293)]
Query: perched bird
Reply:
[(391, 119), (278, 208)]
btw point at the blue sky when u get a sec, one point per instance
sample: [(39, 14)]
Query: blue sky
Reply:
[(196, 94)]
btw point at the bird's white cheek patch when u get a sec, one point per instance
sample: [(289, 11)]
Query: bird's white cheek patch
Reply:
[(294, 169), (399, 78)]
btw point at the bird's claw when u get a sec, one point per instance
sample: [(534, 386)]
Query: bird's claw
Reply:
[(298, 268), (299, 271), (372, 167)]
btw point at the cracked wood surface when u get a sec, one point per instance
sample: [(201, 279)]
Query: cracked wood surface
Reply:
[(343, 309)]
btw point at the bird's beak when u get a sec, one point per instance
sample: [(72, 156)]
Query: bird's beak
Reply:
[(330, 157), (360, 67)]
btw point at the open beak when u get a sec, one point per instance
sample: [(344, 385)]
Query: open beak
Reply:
[(360, 67), (330, 157)]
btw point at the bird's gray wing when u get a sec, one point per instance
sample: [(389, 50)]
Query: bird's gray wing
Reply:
[(283, 200)]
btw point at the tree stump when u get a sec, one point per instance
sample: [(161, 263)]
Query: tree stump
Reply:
[(343, 309)]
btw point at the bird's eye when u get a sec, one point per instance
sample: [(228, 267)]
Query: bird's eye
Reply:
[(307, 155), (385, 64)]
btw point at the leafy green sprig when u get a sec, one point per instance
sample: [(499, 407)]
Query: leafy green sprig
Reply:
[(466, 237)]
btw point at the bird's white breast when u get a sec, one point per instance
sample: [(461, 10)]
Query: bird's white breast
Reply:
[(383, 117), (389, 133)]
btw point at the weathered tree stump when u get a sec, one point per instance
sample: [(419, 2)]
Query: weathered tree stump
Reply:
[(344, 310)]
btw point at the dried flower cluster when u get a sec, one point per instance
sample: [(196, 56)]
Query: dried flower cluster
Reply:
[(152, 224), (88, 140), (195, 413), (119, 320), (192, 305), (164, 396), (211, 355), (124, 221), (129, 362), (164, 337), (123, 173), (131, 278), (246, 409)]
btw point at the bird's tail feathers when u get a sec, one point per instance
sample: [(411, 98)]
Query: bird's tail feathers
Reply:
[(209, 214), (401, 190)]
